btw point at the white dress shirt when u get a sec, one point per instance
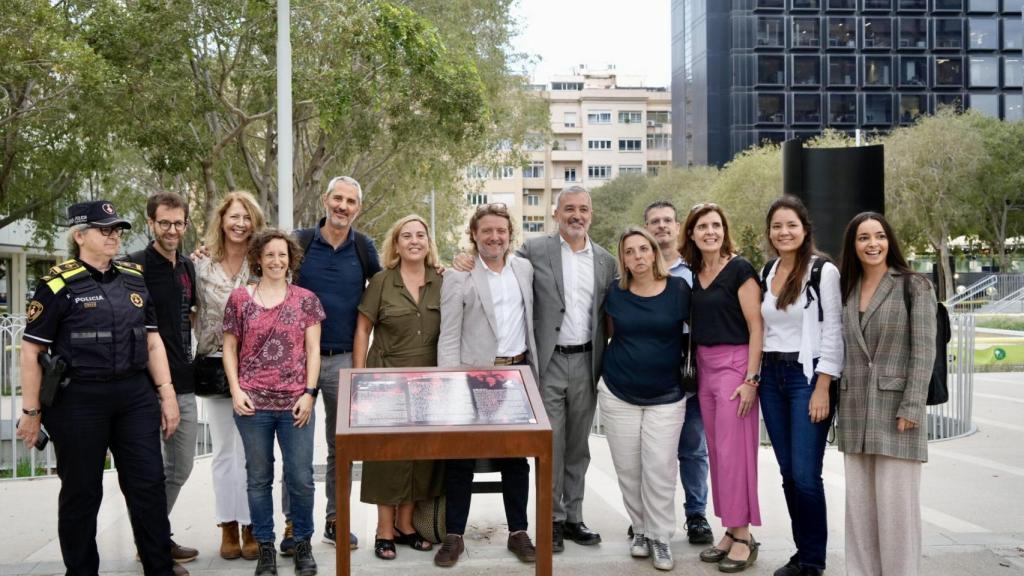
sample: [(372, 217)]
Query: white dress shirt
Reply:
[(509, 309), (578, 281)]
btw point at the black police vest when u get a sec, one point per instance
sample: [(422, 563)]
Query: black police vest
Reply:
[(105, 329)]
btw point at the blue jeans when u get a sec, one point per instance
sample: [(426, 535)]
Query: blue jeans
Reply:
[(799, 446), (296, 444), (693, 460)]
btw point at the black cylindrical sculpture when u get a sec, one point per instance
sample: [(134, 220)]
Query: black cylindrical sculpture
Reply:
[(835, 184)]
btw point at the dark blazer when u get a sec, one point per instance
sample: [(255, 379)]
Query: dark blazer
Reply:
[(886, 373), (545, 253)]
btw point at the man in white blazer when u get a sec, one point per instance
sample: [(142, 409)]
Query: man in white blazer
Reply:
[(487, 320)]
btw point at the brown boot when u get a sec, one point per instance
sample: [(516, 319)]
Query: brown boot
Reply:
[(229, 546), (250, 547)]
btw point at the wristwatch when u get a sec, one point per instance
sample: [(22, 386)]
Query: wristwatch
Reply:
[(32, 412), (312, 392), (753, 379)]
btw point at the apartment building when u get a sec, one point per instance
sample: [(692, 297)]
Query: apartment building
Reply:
[(603, 124), (746, 71)]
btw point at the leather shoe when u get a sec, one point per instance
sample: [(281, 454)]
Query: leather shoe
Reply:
[(792, 568), (182, 554), (698, 531), (519, 544), (731, 566), (580, 534), (811, 571), (179, 570), (557, 538), (451, 548)]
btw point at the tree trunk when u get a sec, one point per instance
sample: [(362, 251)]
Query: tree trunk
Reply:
[(945, 272), (211, 186)]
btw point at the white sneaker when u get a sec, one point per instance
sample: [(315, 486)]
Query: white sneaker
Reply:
[(661, 555), (638, 549)]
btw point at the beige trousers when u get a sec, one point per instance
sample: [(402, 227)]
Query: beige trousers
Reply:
[(883, 516)]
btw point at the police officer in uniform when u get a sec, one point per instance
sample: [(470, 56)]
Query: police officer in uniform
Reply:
[(96, 314)]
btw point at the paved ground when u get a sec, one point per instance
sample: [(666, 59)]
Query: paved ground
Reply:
[(972, 507)]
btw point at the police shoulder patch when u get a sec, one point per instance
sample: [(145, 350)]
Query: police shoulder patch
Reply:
[(129, 266), (136, 299), (35, 308)]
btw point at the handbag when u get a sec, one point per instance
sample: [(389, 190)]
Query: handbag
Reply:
[(428, 519), (688, 369), (210, 381)]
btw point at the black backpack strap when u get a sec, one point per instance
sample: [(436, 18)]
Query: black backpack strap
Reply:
[(363, 253), (765, 271), (814, 286), (304, 236)]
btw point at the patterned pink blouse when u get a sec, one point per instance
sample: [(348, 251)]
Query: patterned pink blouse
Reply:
[(272, 345)]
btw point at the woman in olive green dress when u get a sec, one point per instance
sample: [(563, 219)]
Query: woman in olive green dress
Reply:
[(402, 307)]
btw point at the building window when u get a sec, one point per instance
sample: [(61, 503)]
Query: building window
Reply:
[(913, 71), (1014, 104), (913, 33), (807, 109), (506, 172), (1013, 33), (654, 169), (771, 109), (599, 172), (557, 86), (659, 141), (912, 106), (842, 108), (1013, 72), (630, 144), (955, 101), (983, 71), (983, 33), (949, 71), (878, 109), (630, 169), (806, 33), (476, 199), (769, 3), (534, 170), (877, 71), (599, 117), (599, 144), (570, 174), (842, 4), (478, 172), (877, 33), (842, 70), (805, 4), (806, 71), (1016, 6), (949, 33), (987, 104), (771, 70), (658, 117), (842, 33), (533, 199), (983, 5), (569, 119), (533, 223), (948, 5), (630, 117), (885, 5), (913, 5), (770, 33)]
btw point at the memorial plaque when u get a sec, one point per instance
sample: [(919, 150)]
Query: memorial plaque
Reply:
[(437, 398)]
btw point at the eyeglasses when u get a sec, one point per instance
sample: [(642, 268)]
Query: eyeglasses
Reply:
[(115, 231), (165, 225), (702, 205)]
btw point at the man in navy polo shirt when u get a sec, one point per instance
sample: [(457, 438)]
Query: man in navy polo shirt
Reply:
[(338, 262)]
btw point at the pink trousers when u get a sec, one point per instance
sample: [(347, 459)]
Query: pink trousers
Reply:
[(732, 441)]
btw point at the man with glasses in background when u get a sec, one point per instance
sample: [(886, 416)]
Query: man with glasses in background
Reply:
[(171, 282)]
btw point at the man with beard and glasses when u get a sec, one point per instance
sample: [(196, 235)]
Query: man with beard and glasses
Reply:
[(171, 281)]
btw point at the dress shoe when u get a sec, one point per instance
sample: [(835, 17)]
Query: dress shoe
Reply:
[(451, 548), (179, 570), (230, 548), (811, 571), (520, 545), (182, 554), (580, 534), (557, 537), (698, 531), (792, 568), (729, 565)]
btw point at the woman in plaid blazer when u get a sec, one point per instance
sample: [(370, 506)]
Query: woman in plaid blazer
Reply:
[(882, 399)]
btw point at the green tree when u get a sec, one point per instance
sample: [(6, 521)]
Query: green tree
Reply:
[(998, 192), (745, 188)]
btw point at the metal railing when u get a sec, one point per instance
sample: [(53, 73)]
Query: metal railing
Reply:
[(15, 460), (964, 301), (990, 295), (1011, 303)]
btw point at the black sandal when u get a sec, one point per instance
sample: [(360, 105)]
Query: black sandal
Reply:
[(381, 546), (414, 540), (729, 565)]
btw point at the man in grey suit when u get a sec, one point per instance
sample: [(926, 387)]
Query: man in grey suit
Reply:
[(487, 320), (571, 275)]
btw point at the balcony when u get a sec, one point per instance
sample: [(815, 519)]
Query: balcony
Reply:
[(566, 155), (561, 128)]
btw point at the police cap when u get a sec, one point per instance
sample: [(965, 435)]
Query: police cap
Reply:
[(97, 214)]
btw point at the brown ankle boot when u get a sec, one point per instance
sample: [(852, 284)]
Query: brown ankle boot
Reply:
[(250, 547), (229, 546)]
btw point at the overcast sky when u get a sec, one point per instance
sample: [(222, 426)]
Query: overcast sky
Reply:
[(633, 35)]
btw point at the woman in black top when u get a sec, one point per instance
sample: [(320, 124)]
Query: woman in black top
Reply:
[(726, 328)]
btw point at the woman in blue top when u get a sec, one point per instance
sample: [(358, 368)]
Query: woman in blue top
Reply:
[(640, 396)]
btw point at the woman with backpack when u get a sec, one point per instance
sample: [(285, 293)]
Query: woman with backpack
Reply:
[(889, 332), (803, 356)]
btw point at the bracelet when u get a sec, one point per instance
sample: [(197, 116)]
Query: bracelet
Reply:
[(159, 386), (32, 412)]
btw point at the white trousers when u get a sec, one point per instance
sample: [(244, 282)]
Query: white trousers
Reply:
[(883, 516), (644, 442), (231, 501)]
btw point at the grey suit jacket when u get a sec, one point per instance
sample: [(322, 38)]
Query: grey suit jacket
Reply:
[(468, 325), (545, 253), (886, 373)]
